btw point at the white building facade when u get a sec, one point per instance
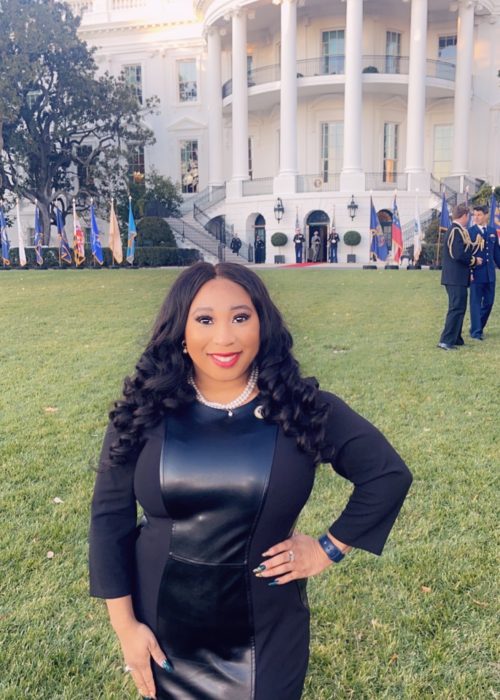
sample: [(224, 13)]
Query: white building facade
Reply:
[(317, 102)]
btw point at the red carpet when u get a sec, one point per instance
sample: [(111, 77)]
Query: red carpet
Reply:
[(306, 264)]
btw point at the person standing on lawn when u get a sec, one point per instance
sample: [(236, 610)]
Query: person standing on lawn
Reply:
[(482, 282), (458, 260)]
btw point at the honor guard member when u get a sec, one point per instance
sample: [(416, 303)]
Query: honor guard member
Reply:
[(235, 244), (482, 281), (315, 246), (333, 241), (458, 260), (299, 241)]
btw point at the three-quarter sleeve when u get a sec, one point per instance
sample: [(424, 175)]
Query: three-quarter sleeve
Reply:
[(381, 479), (112, 527)]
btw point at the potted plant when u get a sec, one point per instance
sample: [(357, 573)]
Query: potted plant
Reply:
[(279, 239), (352, 238)]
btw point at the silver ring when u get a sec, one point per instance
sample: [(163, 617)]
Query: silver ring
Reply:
[(127, 669), (291, 555)]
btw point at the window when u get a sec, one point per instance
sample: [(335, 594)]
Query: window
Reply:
[(332, 51), (188, 86), (447, 54), (250, 73), (250, 159), (332, 146), (136, 167), (392, 51), (189, 166), (133, 77), (278, 53), (391, 138), (443, 149)]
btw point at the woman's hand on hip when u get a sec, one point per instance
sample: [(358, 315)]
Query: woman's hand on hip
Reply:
[(139, 646), (299, 556)]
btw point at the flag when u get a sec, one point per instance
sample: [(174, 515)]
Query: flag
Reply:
[(64, 249), (5, 240), (494, 221), (467, 204), (378, 245), (298, 230), (78, 239), (115, 241), (38, 236), (396, 233), (444, 220), (132, 234), (418, 236), (20, 237), (95, 243)]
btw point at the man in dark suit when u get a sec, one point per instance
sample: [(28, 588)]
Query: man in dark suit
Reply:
[(458, 260), (482, 284)]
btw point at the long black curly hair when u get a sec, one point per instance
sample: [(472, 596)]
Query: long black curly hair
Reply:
[(160, 382)]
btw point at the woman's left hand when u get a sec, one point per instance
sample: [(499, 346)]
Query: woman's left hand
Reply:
[(300, 556)]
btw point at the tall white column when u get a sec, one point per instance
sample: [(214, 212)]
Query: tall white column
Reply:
[(463, 87), (415, 119), (240, 98), (286, 181), (352, 176), (214, 80)]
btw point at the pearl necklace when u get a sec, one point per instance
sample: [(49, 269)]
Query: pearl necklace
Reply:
[(238, 401)]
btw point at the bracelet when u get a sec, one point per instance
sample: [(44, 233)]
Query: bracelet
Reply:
[(331, 550)]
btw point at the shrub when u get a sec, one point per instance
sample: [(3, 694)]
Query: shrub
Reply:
[(352, 238), (278, 239), (154, 231), (151, 256)]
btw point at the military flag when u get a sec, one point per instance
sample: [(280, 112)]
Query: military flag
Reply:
[(115, 241), (418, 236), (95, 243), (444, 219), (78, 239), (132, 234), (38, 236), (20, 236), (64, 249), (378, 245), (5, 240), (396, 233), (494, 221), (298, 230)]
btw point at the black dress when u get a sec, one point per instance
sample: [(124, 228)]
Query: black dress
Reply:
[(217, 491)]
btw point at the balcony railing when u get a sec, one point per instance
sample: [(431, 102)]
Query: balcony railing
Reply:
[(392, 181), (261, 185), (326, 182), (335, 65)]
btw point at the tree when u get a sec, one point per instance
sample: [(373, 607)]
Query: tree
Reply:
[(65, 132)]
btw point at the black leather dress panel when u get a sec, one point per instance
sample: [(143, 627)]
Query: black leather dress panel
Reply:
[(214, 472)]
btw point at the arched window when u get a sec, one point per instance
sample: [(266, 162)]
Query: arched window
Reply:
[(260, 239)]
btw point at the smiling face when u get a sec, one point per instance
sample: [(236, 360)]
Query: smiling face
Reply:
[(222, 338)]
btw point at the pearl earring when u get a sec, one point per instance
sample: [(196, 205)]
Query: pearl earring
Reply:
[(184, 347)]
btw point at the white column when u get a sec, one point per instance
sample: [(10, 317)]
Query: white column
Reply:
[(415, 119), (352, 176), (240, 101), (286, 181), (463, 87), (214, 80)]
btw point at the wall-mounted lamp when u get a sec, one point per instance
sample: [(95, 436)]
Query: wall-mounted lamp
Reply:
[(352, 207), (279, 209)]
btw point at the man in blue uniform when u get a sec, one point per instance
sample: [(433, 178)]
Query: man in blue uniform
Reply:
[(482, 284), (458, 260)]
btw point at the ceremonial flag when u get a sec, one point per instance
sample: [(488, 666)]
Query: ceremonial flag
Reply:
[(494, 221), (418, 236), (38, 236), (132, 234), (396, 233), (78, 239), (95, 243), (467, 204), (115, 241), (378, 245), (20, 237), (64, 249), (444, 220), (298, 230), (5, 240)]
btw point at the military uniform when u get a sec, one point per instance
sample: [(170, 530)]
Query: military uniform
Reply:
[(333, 241), (483, 278), (299, 241)]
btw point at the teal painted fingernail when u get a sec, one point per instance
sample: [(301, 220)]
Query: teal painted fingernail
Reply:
[(274, 583), (259, 569), (167, 666)]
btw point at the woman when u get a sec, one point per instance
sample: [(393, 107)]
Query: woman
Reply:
[(217, 437)]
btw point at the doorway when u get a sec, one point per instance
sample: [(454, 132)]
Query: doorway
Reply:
[(317, 222)]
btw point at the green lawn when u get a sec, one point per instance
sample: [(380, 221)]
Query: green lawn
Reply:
[(418, 622)]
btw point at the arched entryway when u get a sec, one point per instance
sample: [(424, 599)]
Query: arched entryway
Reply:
[(259, 238), (317, 222)]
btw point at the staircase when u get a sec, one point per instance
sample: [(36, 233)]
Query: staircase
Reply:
[(189, 230)]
